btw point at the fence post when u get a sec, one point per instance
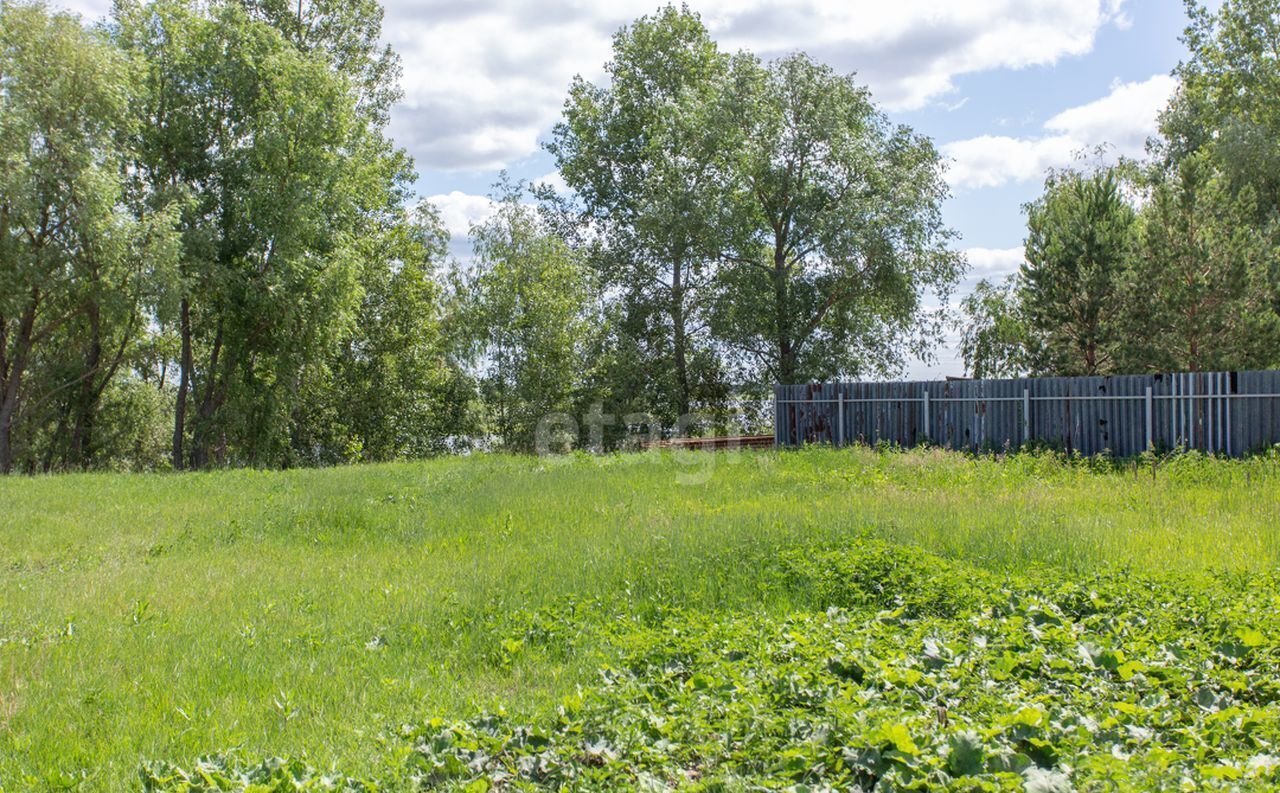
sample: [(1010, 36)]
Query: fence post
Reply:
[(1150, 420), (1226, 406), (840, 418), (1026, 416), (927, 422), (777, 420)]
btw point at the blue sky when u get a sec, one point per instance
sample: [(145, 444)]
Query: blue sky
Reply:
[(1006, 88)]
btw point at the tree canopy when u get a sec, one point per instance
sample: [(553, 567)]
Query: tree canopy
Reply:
[(836, 236), (212, 253)]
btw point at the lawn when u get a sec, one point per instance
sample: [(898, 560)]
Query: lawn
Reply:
[(827, 617)]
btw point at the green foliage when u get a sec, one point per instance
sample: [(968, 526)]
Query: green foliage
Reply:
[(1080, 234), (75, 266), (880, 576), (994, 336), (646, 157), (1223, 107), (764, 220), (347, 34), (283, 278), (1172, 264), (1031, 682), (310, 614), (1184, 281), (134, 431), (1200, 290), (523, 313), (268, 127), (393, 390), (837, 230), (271, 776)]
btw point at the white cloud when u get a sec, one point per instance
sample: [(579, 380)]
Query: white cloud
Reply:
[(910, 51), (993, 160), (556, 182), (993, 263), (1123, 119), (460, 211), (89, 9), (484, 79)]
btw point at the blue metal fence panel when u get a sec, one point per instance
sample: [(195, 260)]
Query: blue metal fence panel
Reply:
[(1226, 413)]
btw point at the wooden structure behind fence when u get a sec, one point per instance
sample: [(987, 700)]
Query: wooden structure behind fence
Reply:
[(1227, 413)]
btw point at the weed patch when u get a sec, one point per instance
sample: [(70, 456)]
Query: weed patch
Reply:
[(921, 674)]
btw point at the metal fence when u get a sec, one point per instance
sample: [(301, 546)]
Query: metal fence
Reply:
[(1228, 413)]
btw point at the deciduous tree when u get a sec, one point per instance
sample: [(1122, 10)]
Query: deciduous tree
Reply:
[(645, 154), (71, 258), (994, 337), (523, 312), (286, 174), (838, 235)]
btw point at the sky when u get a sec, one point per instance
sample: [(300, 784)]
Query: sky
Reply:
[(1006, 89)]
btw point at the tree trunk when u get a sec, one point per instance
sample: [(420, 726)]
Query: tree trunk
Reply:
[(12, 385), (782, 316), (7, 408), (6, 442), (680, 341), (201, 441), (184, 385), (81, 453)]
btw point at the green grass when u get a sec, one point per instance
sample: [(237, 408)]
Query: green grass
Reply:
[(309, 613)]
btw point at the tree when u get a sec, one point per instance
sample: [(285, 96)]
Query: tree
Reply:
[(1200, 292), (523, 313), (644, 154), (1080, 235), (1224, 116), (838, 233), (347, 34), (393, 390), (994, 337), (285, 174), (1225, 105), (98, 346), (71, 261)]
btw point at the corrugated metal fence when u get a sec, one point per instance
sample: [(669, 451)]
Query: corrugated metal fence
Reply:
[(1229, 413)]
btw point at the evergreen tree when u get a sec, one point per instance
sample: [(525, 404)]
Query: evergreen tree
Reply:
[(1079, 243)]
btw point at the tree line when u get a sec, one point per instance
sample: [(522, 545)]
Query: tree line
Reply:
[(1169, 263), (211, 252)]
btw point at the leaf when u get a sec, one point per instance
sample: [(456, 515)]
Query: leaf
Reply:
[(1029, 717), (1127, 670), (1220, 772), (1250, 638), (967, 754), (1208, 700), (899, 737), (847, 669), (1041, 780)]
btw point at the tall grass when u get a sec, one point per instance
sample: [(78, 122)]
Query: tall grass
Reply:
[(308, 612)]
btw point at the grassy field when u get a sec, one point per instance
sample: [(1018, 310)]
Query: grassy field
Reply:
[(311, 614)]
